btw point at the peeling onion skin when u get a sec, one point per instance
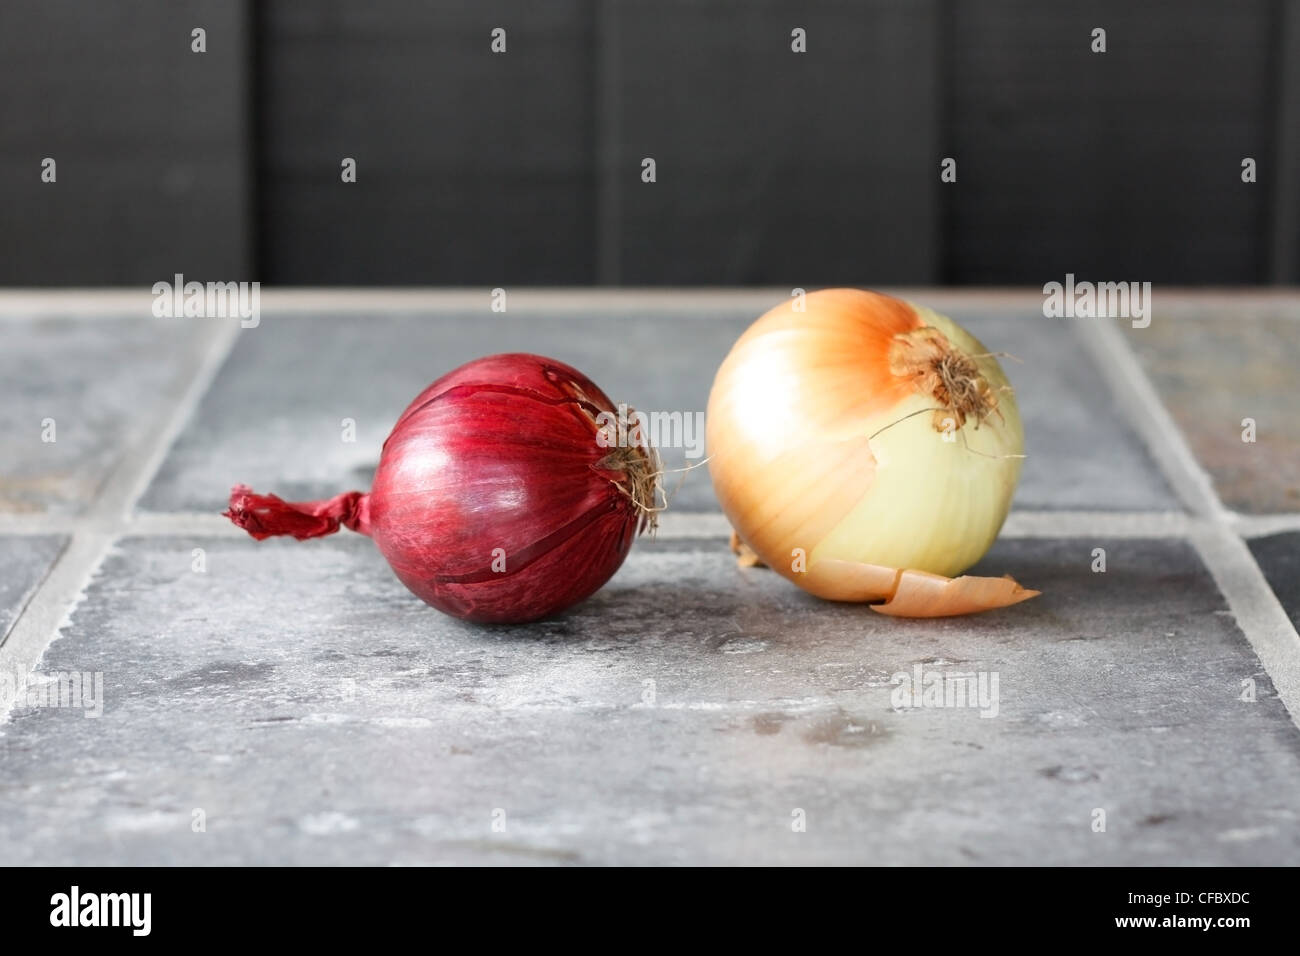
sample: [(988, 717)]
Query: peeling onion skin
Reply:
[(794, 463)]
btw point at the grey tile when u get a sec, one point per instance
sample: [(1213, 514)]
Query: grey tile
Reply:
[(317, 713), (24, 561), (1081, 452), (101, 381), (1279, 558), (272, 419), (1218, 374)]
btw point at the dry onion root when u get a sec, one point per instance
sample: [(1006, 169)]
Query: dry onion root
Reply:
[(867, 449)]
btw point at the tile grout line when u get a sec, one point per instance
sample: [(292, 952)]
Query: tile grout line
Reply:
[(52, 603), (30, 596), (93, 303), (132, 484), (1259, 526), (1119, 367), (1258, 612)]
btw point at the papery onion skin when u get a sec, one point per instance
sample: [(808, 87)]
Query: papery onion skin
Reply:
[(493, 500), (819, 447)]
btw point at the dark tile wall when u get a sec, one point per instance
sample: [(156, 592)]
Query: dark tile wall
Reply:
[(772, 167), (472, 167), (1121, 165), (150, 142)]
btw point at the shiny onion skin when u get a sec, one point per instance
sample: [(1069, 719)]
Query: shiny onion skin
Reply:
[(493, 500), (826, 435)]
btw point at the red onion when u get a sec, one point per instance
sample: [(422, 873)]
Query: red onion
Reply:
[(497, 498)]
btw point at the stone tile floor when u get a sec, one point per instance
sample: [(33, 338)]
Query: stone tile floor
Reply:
[(293, 703)]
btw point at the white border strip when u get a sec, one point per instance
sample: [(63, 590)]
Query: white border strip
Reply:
[(138, 300)]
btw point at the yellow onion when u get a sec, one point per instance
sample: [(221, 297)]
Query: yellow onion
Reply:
[(867, 449)]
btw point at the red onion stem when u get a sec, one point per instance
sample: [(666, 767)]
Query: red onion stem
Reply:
[(266, 516)]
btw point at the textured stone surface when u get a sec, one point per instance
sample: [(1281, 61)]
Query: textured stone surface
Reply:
[(23, 562), (317, 713), (1081, 452), (273, 417), (1214, 368), (98, 379)]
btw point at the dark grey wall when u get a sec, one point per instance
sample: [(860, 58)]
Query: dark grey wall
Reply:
[(150, 142), (1126, 164), (772, 167), (472, 167)]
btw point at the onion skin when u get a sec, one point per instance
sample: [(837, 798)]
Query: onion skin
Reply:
[(820, 443), (502, 474), (493, 500)]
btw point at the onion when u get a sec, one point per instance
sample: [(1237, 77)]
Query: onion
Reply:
[(497, 498), (867, 449)]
